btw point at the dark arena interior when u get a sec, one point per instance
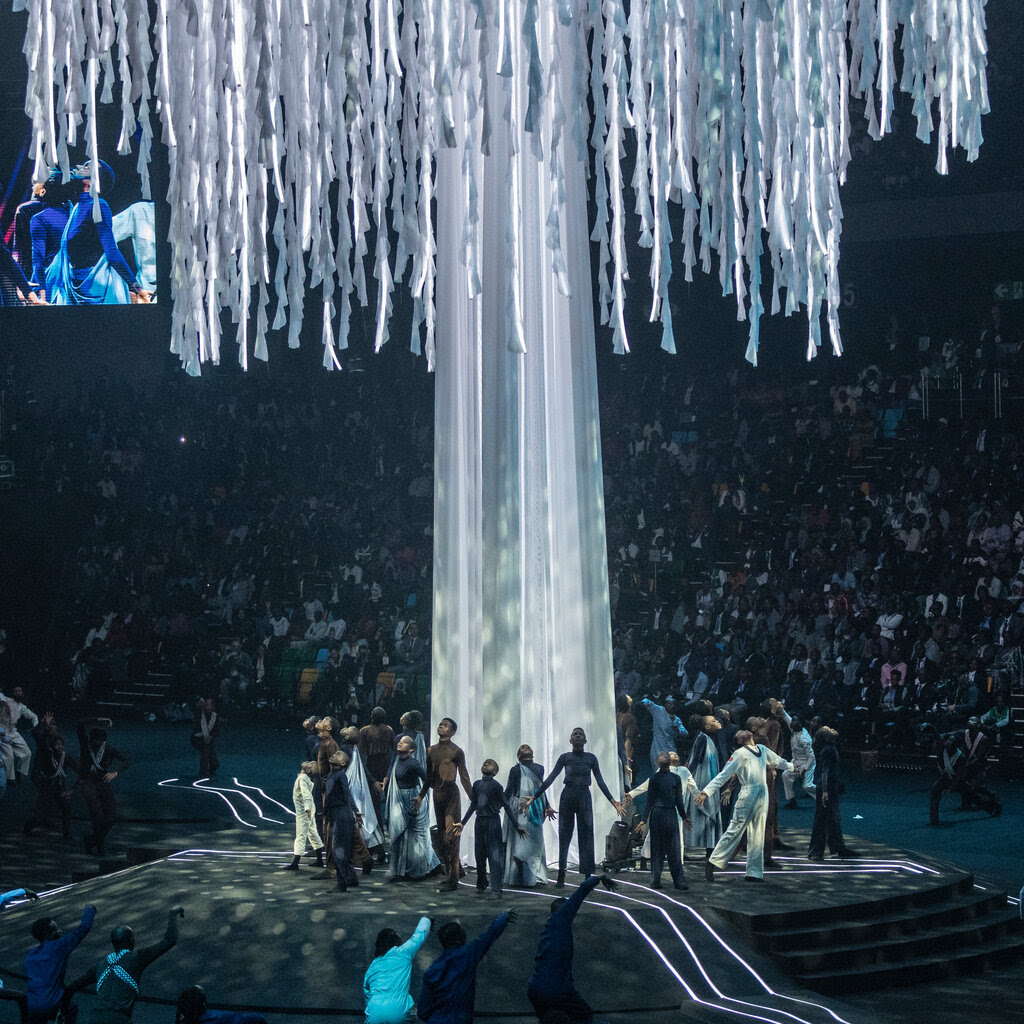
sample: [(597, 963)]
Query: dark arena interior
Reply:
[(819, 561)]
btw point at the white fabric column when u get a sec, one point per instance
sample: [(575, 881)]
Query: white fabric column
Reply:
[(521, 624)]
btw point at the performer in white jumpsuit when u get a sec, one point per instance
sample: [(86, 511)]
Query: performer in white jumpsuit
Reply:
[(803, 758), (305, 821), (748, 764), (15, 751)]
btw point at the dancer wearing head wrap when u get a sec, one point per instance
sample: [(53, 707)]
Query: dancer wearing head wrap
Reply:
[(96, 773), (89, 268)]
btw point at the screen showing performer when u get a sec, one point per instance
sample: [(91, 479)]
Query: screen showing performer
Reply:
[(81, 237)]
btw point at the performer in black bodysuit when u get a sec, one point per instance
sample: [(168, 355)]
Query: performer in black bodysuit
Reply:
[(575, 808)]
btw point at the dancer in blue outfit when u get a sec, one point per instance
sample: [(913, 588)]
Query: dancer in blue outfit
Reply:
[(449, 983), (45, 966), (89, 268), (551, 986)]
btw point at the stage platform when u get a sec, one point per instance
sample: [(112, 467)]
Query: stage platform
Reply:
[(290, 946)]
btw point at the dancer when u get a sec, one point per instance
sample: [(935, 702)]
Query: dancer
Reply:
[(703, 765), (525, 858), (54, 793), (803, 758), (445, 761), (305, 821), (386, 982), (449, 983), (688, 788), (312, 739), (667, 726), (205, 727), (46, 964), (408, 822), (326, 748), (89, 268), (551, 986), (666, 817), (96, 758), (118, 978), (376, 745), (192, 1009), (411, 724), (749, 764), (46, 227), (12, 712), (486, 801), (137, 225), (961, 767), (362, 789), (827, 829), (575, 808), (342, 815)]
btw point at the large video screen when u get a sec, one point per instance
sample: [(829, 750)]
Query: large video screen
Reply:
[(53, 251)]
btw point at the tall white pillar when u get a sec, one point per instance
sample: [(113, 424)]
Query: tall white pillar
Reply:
[(521, 623)]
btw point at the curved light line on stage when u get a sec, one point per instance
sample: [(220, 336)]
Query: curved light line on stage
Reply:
[(270, 799), (170, 784), (682, 981), (732, 952), (228, 789)]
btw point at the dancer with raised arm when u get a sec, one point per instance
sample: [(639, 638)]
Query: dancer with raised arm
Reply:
[(749, 764), (575, 808)]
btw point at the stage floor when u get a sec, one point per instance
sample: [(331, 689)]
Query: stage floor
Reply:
[(293, 948), (290, 946)]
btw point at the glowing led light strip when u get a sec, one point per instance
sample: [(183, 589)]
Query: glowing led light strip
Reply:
[(228, 789), (270, 799), (696, 959), (170, 784), (199, 854), (691, 992), (753, 973)]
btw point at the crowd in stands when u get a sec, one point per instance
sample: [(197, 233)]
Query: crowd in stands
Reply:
[(820, 543)]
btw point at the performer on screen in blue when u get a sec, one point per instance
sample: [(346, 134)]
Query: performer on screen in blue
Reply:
[(89, 268), (46, 228)]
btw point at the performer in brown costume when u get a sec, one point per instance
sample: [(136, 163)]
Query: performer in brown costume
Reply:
[(444, 761)]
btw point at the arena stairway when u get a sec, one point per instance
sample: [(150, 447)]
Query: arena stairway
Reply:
[(955, 926)]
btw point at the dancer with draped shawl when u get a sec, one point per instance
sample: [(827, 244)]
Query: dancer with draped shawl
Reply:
[(525, 857), (408, 821), (704, 766)]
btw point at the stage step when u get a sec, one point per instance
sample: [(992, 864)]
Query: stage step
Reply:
[(941, 964), (899, 940)]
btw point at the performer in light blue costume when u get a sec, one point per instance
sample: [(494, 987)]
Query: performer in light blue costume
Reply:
[(89, 268), (386, 982), (412, 855), (667, 726)]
